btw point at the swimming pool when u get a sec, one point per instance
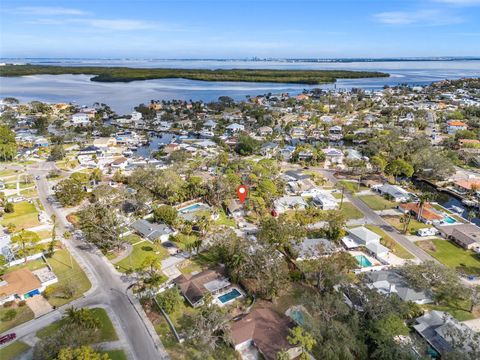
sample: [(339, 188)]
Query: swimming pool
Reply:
[(192, 208), (233, 294), (449, 220), (363, 261)]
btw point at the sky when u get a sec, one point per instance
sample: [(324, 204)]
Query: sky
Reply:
[(239, 29)]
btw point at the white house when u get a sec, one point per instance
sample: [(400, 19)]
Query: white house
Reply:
[(325, 200), (80, 119), (289, 203), (233, 128), (22, 284), (396, 193)]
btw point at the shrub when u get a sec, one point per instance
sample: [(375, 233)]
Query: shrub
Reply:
[(22, 303), (9, 315), (9, 208), (8, 304)]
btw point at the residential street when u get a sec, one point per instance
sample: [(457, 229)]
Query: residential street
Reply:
[(109, 288), (373, 218)]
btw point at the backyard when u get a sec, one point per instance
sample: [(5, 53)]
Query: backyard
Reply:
[(452, 255), (350, 186), (24, 216)]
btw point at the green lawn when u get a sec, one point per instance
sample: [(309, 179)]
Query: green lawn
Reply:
[(454, 256), (387, 241), (60, 262), (25, 216), (24, 314), (350, 211), (32, 265), (13, 350), (182, 240), (115, 354), (459, 310), (377, 202), (350, 186), (139, 253), (224, 219), (107, 331), (413, 226)]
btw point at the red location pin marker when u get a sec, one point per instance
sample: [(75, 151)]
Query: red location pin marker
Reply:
[(242, 193)]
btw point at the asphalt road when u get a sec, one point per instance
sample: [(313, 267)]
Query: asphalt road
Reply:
[(109, 289), (373, 218)]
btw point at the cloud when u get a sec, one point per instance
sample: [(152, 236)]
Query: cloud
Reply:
[(119, 24), (49, 11), (420, 17)]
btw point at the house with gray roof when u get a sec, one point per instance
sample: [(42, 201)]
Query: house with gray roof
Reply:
[(152, 231), (391, 282), (465, 235), (314, 248), (396, 193), (442, 331)]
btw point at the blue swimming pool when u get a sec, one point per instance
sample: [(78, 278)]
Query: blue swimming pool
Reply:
[(233, 294), (191, 208), (449, 220), (363, 261)]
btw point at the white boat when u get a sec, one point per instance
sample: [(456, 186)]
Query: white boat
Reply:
[(128, 153), (456, 209)]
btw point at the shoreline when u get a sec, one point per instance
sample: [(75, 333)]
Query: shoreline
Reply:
[(129, 74)]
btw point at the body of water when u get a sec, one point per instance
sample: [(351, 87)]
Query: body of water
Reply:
[(122, 97)]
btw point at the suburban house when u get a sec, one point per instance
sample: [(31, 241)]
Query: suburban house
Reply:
[(396, 193), (265, 131), (152, 231), (426, 214), (440, 330), (454, 125), (464, 186), (265, 332), (361, 236), (22, 284), (325, 201), (234, 128), (293, 175), (80, 119), (391, 282), (289, 203), (314, 248), (465, 235), (195, 287)]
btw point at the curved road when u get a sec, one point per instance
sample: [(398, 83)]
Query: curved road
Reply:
[(109, 288)]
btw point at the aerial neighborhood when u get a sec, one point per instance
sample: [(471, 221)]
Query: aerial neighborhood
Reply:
[(358, 237)]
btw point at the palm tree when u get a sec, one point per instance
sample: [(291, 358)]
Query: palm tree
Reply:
[(422, 201), (471, 215)]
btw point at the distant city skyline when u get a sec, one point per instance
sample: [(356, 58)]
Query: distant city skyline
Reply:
[(240, 29)]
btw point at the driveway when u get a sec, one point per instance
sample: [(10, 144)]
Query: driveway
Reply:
[(39, 305)]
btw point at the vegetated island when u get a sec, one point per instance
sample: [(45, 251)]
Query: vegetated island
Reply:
[(126, 74)]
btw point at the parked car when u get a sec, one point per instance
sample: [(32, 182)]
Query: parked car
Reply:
[(427, 232), (6, 338)]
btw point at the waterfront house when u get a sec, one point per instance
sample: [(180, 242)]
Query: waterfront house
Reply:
[(195, 287), (391, 282), (262, 333), (465, 235), (426, 214), (464, 186), (394, 192)]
